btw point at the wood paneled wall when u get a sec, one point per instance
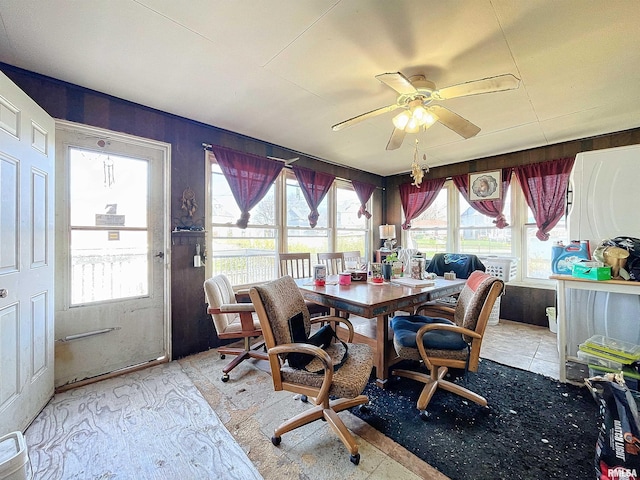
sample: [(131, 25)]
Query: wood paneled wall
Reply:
[(192, 329)]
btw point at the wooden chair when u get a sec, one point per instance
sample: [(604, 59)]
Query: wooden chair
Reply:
[(331, 391), (354, 255), (451, 342), (298, 265), (334, 262), (232, 320)]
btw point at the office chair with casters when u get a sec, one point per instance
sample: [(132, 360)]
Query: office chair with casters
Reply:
[(298, 265), (452, 341), (278, 304), (232, 320)]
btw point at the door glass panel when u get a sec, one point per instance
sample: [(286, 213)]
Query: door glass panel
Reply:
[(108, 221)]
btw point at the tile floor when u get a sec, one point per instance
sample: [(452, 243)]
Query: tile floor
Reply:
[(523, 346)]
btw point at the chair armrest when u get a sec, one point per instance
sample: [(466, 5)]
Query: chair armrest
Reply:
[(329, 318), (234, 308), (438, 310), (444, 326), (316, 352), (439, 326)]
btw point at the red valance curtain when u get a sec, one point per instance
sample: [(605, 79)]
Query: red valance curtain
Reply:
[(490, 208), (416, 200), (544, 186), (249, 176), (315, 186), (364, 192)]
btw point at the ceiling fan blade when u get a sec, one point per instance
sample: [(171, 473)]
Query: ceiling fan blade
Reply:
[(475, 87), (364, 116), (397, 136), (455, 122), (398, 82)]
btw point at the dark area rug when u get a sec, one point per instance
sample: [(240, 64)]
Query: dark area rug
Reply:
[(534, 427)]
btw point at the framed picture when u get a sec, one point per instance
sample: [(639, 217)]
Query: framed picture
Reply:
[(485, 185)]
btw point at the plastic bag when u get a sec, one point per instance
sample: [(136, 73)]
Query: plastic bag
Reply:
[(618, 446)]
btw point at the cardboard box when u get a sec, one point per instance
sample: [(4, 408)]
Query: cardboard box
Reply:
[(592, 273)]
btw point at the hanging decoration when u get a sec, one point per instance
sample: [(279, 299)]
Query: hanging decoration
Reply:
[(109, 175), (418, 170), (189, 202)]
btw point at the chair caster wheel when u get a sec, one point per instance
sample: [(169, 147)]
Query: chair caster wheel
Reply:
[(355, 459), (364, 409), (222, 356), (304, 398), (276, 440), (225, 378), (424, 415)]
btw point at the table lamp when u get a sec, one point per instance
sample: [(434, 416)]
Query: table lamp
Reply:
[(388, 234)]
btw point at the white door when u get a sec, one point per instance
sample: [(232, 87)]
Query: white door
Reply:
[(27, 151), (111, 252)]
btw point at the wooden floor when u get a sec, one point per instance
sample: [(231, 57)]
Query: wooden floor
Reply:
[(151, 424)]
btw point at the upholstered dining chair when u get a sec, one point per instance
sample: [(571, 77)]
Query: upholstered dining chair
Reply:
[(462, 264), (332, 391), (452, 341), (298, 265), (232, 320), (334, 262)]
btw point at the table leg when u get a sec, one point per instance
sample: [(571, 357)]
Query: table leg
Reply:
[(382, 344)]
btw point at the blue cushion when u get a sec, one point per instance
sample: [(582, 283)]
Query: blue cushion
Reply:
[(405, 329)]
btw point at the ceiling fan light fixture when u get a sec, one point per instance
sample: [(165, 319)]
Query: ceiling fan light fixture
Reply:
[(400, 121), (413, 126), (419, 113)]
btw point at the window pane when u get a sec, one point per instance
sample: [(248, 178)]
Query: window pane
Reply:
[(428, 232), (225, 209), (307, 240), (350, 230), (538, 253), (478, 233), (108, 267), (298, 210), (244, 256), (107, 188)]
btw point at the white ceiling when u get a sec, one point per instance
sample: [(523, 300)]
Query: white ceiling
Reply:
[(285, 71)]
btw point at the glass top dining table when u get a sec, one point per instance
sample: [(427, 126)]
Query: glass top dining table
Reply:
[(377, 301)]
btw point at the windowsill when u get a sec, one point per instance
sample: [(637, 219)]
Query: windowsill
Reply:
[(537, 283)]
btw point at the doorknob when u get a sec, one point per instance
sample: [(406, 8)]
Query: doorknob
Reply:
[(159, 254), (4, 292)]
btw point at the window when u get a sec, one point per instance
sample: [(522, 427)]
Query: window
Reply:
[(435, 232), (108, 224), (538, 253), (300, 236), (429, 232), (249, 256), (351, 231), (243, 255)]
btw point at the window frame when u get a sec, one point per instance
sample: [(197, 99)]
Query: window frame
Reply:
[(281, 227)]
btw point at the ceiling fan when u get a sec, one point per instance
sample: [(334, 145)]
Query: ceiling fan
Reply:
[(415, 97)]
